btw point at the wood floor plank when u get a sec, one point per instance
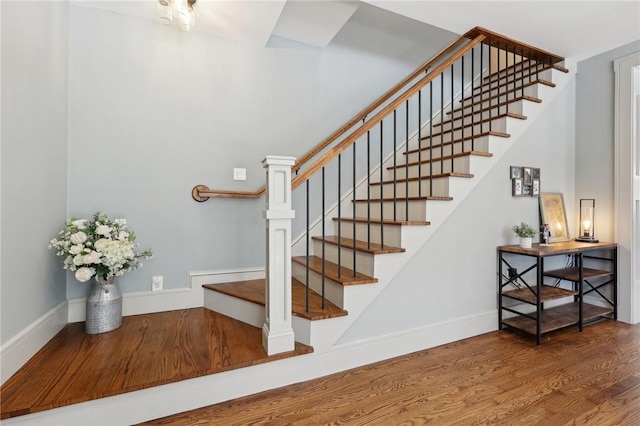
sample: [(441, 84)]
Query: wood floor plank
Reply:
[(496, 378), (148, 350)]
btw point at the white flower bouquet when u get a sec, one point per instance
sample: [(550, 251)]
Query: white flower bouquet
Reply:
[(98, 247)]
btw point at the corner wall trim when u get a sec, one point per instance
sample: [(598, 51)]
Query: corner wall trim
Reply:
[(17, 351)]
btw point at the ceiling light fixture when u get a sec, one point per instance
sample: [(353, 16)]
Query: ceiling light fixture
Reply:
[(179, 10)]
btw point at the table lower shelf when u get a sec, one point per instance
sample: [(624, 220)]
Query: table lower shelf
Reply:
[(557, 317)]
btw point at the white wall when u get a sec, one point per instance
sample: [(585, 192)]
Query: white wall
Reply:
[(454, 275), (34, 159), (155, 111), (595, 134)]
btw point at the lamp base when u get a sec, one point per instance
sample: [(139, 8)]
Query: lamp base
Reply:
[(587, 239)]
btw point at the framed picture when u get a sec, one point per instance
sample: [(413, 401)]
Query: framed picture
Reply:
[(515, 172), (552, 212), (526, 190), (526, 175), (535, 174), (535, 188), (516, 187)]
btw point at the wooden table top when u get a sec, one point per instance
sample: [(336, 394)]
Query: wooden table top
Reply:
[(557, 248)]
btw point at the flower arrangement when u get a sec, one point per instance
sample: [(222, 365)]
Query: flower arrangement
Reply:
[(98, 247), (524, 230)]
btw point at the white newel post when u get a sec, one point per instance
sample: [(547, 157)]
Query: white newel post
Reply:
[(277, 334)]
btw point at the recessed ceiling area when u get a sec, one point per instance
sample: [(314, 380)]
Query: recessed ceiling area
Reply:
[(573, 29)]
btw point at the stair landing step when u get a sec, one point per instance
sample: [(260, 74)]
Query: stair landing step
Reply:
[(254, 291), (372, 248), (148, 350), (331, 271)]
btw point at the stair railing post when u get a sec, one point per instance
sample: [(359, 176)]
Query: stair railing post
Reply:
[(277, 332)]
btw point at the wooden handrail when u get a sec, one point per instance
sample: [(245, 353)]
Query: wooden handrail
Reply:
[(522, 49), (477, 35), (339, 148)]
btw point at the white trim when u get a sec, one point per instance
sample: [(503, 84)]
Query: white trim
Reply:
[(146, 302), (160, 401), (21, 347), (625, 207)]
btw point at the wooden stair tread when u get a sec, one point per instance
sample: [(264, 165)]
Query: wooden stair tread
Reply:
[(384, 221), (372, 248), (508, 71), (403, 199), (476, 122), (331, 269), (501, 94), (466, 138), (519, 75), (254, 291), (413, 179), (487, 108), (446, 157)]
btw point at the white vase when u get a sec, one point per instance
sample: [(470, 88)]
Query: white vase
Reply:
[(104, 307), (525, 242)]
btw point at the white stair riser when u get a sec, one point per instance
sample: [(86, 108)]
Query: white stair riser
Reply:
[(440, 188), (392, 234), (502, 93), (364, 261), (497, 125), (417, 210), (333, 290), (460, 165), (479, 144), (239, 309), (514, 107)]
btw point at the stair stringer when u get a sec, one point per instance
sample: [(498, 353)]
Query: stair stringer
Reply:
[(325, 335)]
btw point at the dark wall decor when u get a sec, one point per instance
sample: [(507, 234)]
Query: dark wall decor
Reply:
[(525, 181)]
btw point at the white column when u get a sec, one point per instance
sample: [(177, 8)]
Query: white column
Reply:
[(277, 334)]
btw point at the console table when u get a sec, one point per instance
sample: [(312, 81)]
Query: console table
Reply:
[(579, 275)]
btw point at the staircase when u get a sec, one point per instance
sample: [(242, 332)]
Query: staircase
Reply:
[(396, 178)]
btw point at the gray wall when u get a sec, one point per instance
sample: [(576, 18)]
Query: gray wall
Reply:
[(595, 134), (155, 111), (34, 159)]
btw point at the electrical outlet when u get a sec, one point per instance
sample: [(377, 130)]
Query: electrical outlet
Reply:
[(156, 283)]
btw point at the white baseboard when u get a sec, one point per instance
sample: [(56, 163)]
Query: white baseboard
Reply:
[(21, 347), (149, 404), (147, 302)]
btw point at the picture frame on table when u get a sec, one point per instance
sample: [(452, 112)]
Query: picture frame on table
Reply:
[(553, 213)]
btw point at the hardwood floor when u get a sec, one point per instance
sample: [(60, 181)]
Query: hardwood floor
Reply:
[(576, 378), (148, 350)]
